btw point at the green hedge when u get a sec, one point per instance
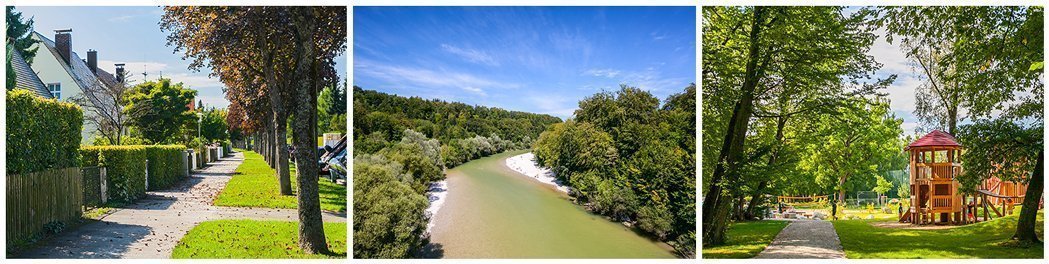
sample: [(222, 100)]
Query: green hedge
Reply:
[(42, 134), (125, 169), (165, 165)]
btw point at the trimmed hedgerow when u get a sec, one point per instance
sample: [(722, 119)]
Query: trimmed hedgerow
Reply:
[(42, 134), (165, 165), (125, 169)]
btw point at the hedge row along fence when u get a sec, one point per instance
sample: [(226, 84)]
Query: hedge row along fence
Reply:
[(42, 134), (128, 173)]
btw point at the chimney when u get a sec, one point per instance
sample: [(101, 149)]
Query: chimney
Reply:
[(64, 43), (92, 61), (120, 72)]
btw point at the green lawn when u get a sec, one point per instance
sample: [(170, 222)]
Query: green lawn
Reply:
[(254, 184), (254, 239), (745, 239), (981, 240)]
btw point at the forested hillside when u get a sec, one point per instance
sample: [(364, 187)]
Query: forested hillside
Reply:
[(632, 159), (384, 116), (401, 145)]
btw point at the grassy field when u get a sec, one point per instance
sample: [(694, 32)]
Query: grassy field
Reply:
[(745, 239), (982, 240), (254, 185), (254, 239)]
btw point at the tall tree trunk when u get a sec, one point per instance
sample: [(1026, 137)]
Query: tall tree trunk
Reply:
[(283, 172), (311, 226), (1029, 213), (781, 122), (716, 203), (841, 188)]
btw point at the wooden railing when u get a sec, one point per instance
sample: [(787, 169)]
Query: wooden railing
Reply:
[(937, 170), (941, 202)]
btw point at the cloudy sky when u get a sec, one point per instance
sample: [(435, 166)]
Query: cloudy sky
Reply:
[(533, 59), (131, 35), (901, 93)]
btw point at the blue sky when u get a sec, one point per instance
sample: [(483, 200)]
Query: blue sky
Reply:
[(130, 35), (535, 59)]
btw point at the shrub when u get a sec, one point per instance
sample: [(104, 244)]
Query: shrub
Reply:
[(165, 165), (125, 169), (42, 133)]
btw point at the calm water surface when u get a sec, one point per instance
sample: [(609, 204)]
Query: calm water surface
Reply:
[(493, 212)]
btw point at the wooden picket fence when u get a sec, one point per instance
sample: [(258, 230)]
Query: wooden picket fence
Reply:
[(38, 198)]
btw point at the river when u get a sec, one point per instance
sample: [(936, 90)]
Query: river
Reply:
[(493, 212)]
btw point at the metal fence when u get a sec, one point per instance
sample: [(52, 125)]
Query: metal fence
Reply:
[(94, 186)]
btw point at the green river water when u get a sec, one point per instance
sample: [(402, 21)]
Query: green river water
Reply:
[(492, 211)]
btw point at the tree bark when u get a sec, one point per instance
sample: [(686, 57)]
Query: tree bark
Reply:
[(283, 170), (311, 226), (781, 122), (1029, 213), (717, 202)]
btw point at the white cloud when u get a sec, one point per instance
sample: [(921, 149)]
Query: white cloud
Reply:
[(470, 55), (475, 90), (901, 93), (420, 78), (656, 36), (890, 55), (607, 73)]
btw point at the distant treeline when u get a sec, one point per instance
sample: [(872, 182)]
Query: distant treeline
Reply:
[(629, 157), (401, 145), (380, 115)]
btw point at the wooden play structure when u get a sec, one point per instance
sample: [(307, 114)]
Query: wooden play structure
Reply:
[(934, 163)]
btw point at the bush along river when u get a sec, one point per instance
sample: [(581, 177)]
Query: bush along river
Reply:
[(492, 211)]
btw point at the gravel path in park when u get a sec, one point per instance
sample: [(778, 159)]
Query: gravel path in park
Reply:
[(152, 226), (805, 239)]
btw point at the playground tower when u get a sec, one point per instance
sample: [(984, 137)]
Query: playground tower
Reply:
[(934, 164)]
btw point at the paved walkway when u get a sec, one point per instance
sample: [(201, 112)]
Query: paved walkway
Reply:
[(805, 239), (152, 227)]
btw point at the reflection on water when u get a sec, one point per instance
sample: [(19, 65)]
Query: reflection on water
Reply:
[(491, 212)]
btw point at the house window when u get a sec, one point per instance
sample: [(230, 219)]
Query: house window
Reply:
[(55, 89)]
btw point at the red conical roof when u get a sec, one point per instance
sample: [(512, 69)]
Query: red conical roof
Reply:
[(935, 138)]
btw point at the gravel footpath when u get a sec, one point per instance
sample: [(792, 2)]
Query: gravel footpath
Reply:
[(805, 239)]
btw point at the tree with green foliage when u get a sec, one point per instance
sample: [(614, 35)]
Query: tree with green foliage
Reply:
[(213, 125), (849, 145), (20, 34), (972, 58), (158, 109), (751, 51), (331, 109), (628, 157), (882, 187), (388, 214)]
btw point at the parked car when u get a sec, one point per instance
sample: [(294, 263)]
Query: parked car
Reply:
[(333, 161)]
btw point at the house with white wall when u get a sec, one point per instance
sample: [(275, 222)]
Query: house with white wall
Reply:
[(66, 76)]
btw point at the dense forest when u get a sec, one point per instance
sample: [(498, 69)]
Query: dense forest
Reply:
[(629, 158), (401, 145), (794, 103)]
